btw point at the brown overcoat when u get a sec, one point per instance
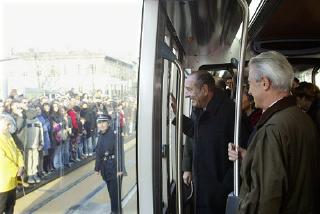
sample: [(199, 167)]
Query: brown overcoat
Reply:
[(279, 171)]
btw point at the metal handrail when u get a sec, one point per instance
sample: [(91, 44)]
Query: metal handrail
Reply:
[(179, 137), (244, 35), (119, 160)]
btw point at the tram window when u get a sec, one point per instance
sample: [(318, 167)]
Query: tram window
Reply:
[(317, 78), (305, 75), (80, 56), (167, 40)]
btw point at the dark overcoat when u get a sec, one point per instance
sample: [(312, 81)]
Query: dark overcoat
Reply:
[(106, 146), (212, 129)]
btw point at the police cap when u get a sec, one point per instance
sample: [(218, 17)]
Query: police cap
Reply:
[(103, 117)]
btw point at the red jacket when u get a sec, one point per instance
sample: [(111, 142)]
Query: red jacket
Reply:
[(73, 115)]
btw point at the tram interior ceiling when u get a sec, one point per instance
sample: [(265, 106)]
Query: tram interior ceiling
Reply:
[(204, 26), (290, 28)]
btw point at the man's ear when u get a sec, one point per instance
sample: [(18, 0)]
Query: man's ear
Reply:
[(266, 83), (205, 89)]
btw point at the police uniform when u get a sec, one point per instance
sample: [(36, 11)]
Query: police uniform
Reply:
[(106, 161)]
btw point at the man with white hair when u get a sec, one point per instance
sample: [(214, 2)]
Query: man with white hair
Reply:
[(279, 169), (11, 166)]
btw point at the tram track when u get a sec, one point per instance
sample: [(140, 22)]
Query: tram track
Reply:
[(85, 200), (58, 193), (83, 203)]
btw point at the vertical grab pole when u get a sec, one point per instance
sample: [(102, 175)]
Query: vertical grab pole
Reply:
[(179, 137), (118, 160), (244, 35)]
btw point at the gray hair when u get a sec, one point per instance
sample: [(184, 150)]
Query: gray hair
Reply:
[(275, 67)]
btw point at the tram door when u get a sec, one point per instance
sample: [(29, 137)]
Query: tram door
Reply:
[(169, 165), (157, 137), (170, 148), (170, 145)]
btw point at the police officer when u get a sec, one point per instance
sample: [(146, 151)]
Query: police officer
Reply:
[(106, 163)]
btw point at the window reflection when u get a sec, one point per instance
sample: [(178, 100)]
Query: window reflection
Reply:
[(58, 74)]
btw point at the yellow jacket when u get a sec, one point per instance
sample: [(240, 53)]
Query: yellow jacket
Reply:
[(10, 161)]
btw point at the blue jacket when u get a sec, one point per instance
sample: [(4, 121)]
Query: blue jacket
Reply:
[(46, 132)]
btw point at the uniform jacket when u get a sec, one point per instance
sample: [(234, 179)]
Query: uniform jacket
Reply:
[(279, 167), (106, 145), (11, 160), (211, 131)]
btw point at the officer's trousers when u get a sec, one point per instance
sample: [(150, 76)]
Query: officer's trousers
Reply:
[(113, 193)]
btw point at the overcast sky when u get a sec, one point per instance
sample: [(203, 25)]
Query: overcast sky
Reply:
[(111, 26)]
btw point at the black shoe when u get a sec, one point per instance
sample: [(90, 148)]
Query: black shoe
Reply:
[(67, 165), (40, 174)]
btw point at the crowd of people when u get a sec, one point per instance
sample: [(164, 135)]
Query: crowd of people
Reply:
[(54, 134), (278, 146), (278, 140)]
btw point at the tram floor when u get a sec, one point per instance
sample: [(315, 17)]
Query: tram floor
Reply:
[(82, 191)]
